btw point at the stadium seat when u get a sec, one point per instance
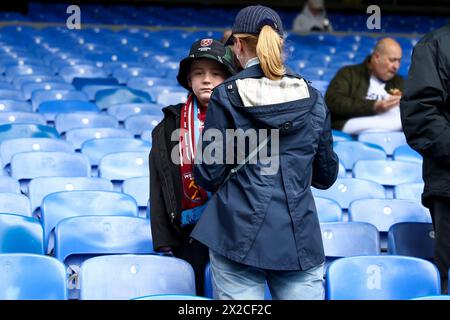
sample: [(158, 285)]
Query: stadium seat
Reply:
[(138, 124), (345, 239), (346, 190), (108, 97), (96, 149), (341, 136), (406, 153), (409, 191), (18, 130), (172, 98), (19, 234), (77, 120), (29, 165), (8, 184), (81, 82), (120, 277), (11, 94), (328, 210), (78, 136), (29, 87), (414, 239), (9, 148), (40, 96), (123, 111), (40, 187), (26, 70), (92, 89), (20, 81), (351, 151), (51, 108), (65, 204), (21, 117), (125, 74), (381, 277), (15, 203), (80, 238), (436, 297), (8, 105), (389, 141), (388, 173), (383, 213), (32, 277), (143, 83), (124, 165), (138, 188), (81, 71)]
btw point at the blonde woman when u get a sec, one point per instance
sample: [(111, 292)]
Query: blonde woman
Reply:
[(261, 223)]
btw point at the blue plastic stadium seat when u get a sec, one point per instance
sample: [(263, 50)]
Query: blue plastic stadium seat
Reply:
[(78, 120), (138, 188), (105, 98), (96, 149), (20, 81), (124, 165), (13, 131), (144, 83), (409, 191), (78, 136), (32, 277), (345, 239), (21, 117), (29, 165), (383, 213), (351, 151), (381, 277), (8, 148), (328, 210), (19, 234), (8, 184), (388, 173), (172, 98), (123, 111), (29, 87), (27, 70), (346, 190), (40, 187), (406, 153), (414, 239), (15, 203), (81, 82), (80, 238), (82, 71), (8, 105), (11, 94), (124, 74), (138, 124), (387, 140), (436, 297), (146, 135), (65, 204), (140, 275), (40, 96), (51, 108)]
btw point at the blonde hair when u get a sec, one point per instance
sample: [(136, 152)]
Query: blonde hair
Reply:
[(268, 46)]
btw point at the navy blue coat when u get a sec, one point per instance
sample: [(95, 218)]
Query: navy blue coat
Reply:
[(267, 221)]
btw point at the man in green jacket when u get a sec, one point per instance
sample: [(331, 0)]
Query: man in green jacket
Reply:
[(369, 92)]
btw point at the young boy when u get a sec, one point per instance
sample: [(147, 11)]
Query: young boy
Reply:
[(176, 200)]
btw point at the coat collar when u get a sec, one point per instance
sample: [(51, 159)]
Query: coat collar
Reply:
[(255, 71)]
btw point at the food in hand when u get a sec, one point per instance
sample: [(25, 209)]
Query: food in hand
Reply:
[(395, 92)]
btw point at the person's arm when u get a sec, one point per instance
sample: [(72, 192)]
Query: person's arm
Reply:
[(340, 102), (426, 93), (326, 162), (164, 235), (211, 171)]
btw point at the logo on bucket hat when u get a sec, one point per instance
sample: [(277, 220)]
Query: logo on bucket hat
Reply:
[(206, 42)]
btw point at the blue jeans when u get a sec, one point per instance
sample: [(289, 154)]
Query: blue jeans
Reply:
[(235, 281)]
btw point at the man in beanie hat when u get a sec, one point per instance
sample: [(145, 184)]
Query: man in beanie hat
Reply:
[(176, 199)]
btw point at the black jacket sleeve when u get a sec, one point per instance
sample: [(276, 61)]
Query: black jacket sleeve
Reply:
[(426, 126), (326, 162), (163, 231)]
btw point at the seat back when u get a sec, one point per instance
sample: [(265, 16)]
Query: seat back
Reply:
[(19, 234), (388, 173), (124, 165), (414, 239), (118, 277)]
